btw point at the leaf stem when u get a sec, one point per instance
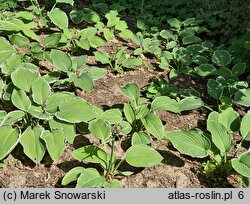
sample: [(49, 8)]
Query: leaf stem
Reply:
[(238, 148), (111, 158)]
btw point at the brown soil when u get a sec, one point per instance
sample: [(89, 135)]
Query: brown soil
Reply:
[(175, 171)]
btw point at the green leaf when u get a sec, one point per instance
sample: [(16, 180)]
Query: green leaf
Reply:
[(88, 32), (54, 141), (230, 119), (239, 69), (8, 140), (220, 136), (96, 41), (33, 145), (59, 18), (52, 40), (191, 142), (76, 16), (90, 178), (142, 156), (79, 61), (244, 126), (221, 57), (38, 112), (165, 103), (71, 2), (191, 39), (83, 43), (95, 72), (11, 64), (214, 88), (242, 165), (68, 128), (19, 40), (108, 34), (129, 113), (154, 125), (102, 57), (23, 78), (205, 70), (11, 25), (92, 154), (91, 16), (20, 100), (140, 138), (56, 99), (75, 111), (40, 90), (113, 184), (174, 22), (131, 90), (242, 97), (100, 129), (190, 103), (124, 128), (132, 62), (72, 175), (83, 82), (112, 116), (61, 60), (12, 117), (6, 49)]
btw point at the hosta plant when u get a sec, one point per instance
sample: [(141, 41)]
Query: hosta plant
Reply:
[(218, 143)]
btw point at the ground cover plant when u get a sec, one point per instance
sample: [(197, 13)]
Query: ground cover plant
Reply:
[(97, 94)]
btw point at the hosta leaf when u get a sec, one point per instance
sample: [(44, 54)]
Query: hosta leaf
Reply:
[(108, 34), (174, 22), (68, 128), (12, 117), (242, 165), (214, 88), (220, 136), (8, 140), (72, 175), (52, 40), (83, 82), (61, 60), (112, 116), (11, 64), (230, 119), (190, 40), (244, 126), (54, 142), (6, 50), (191, 143), (154, 125), (88, 32), (129, 113), (71, 2), (83, 43), (57, 99), (79, 61), (102, 57), (205, 70), (90, 178), (92, 154), (142, 156), (23, 78), (132, 62), (221, 57), (59, 18), (100, 129), (95, 72), (131, 90), (239, 69), (20, 100), (190, 103), (33, 145), (165, 103), (75, 111), (40, 90), (19, 40), (140, 138), (113, 184), (11, 25), (242, 97), (76, 16), (96, 41), (124, 128), (38, 112)]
